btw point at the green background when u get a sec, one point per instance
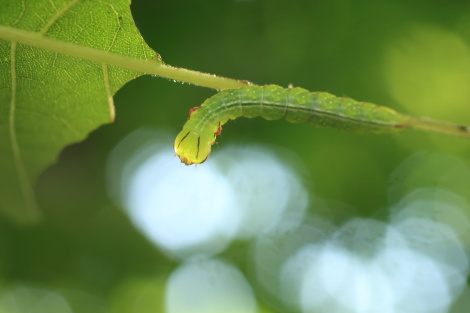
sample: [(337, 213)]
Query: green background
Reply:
[(412, 56)]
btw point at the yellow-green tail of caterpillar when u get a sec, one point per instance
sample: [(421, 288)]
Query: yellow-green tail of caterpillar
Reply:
[(193, 143)]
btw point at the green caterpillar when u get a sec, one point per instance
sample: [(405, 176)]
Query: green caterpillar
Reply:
[(193, 143)]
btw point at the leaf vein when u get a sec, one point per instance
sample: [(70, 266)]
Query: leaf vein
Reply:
[(26, 190), (56, 16), (109, 95), (39, 17), (53, 5), (117, 31), (23, 9)]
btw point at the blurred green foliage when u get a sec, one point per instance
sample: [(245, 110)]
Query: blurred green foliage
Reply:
[(413, 56)]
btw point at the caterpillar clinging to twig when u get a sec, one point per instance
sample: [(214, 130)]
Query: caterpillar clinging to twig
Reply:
[(193, 143)]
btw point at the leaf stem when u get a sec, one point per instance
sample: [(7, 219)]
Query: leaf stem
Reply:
[(152, 66)]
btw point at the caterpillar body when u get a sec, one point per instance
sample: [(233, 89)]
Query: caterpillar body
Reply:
[(271, 102)]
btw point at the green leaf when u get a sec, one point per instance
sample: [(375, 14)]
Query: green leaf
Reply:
[(56, 84)]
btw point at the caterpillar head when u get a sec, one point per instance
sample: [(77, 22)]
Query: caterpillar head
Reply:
[(193, 147)]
